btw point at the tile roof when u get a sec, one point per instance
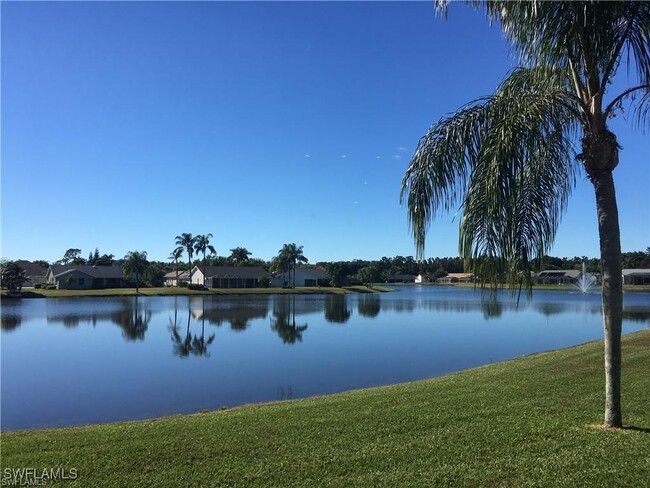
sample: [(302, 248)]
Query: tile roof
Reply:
[(31, 269), (94, 271), (234, 272)]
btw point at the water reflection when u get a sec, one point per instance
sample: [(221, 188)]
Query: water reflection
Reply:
[(388, 338), (133, 319), (369, 306), (10, 322), (491, 309), (283, 322), (190, 344), (238, 312), (336, 309)]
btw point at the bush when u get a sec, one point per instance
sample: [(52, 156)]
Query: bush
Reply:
[(195, 286), (38, 286)]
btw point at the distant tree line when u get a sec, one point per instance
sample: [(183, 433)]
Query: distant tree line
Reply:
[(151, 273)]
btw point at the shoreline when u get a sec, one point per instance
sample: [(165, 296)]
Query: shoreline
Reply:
[(32, 293)]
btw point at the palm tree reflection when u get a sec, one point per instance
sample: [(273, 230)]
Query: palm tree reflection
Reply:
[(189, 344), (283, 321), (133, 320)]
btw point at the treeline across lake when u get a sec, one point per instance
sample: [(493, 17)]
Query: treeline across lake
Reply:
[(344, 272)]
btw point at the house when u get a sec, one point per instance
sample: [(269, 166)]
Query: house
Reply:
[(401, 278), (636, 276), (170, 278), (305, 276), (84, 277), (230, 276), (558, 277), (35, 273), (456, 278)]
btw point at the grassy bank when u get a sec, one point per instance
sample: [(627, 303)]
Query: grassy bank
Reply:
[(527, 422), (173, 291)]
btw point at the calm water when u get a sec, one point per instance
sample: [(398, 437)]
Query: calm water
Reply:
[(80, 361)]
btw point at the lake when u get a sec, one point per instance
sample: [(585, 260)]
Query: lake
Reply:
[(88, 360)]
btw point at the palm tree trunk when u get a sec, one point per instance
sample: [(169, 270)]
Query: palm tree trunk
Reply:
[(612, 295), (204, 268)]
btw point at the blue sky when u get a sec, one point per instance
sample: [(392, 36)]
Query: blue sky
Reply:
[(125, 124)]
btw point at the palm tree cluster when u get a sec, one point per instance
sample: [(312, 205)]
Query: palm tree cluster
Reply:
[(287, 259), (190, 244), (509, 161)]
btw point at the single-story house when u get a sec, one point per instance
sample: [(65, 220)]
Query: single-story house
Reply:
[(636, 276), (401, 278), (170, 278), (35, 273), (305, 276), (84, 277), (230, 276), (557, 277), (456, 278)]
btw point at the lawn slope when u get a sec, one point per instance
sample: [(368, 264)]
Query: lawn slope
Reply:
[(527, 422)]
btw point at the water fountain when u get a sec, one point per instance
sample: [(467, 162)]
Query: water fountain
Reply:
[(586, 281)]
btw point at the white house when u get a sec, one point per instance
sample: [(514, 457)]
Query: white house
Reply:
[(308, 276), (230, 276), (170, 278)]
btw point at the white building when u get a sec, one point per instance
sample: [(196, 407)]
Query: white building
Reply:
[(312, 276)]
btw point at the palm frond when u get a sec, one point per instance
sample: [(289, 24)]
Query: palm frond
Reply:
[(508, 159)]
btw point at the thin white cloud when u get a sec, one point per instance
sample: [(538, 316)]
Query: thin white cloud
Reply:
[(397, 156), (306, 155), (343, 156)]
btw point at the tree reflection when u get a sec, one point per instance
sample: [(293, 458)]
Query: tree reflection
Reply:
[(10, 322), (283, 321), (133, 321), (491, 309), (189, 344), (369, 306), (336, 309)]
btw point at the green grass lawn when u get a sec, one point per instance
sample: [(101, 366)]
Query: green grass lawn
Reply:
[(528, 422), (170, 291)]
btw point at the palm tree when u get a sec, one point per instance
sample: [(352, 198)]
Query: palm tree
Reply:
[(186, 241), (135, 263), (202, 245), (175, 256), (239, 255), (290, 255), (508, 159)]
